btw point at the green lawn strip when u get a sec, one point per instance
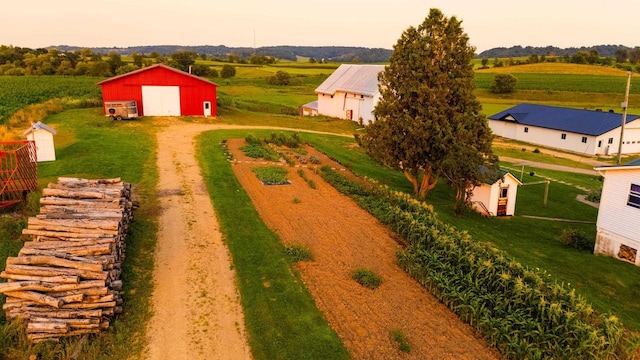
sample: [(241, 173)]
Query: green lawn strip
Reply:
[(530, 241), (281, 317), (92, 146)]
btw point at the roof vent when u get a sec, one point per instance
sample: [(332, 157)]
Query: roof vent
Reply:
[(599, 110), (611, 110)]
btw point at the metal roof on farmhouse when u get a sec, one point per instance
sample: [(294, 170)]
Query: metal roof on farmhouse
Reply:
[(357, 79), (587, 122), (153, 67)]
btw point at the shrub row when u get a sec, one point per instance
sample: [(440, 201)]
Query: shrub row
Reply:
[(520, 311)]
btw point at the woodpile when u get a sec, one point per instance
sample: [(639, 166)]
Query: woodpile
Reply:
[(66, 281)]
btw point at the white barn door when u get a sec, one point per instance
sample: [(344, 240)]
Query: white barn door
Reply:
[(161, 100)]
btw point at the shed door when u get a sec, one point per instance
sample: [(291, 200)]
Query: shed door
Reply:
[(161, 100)]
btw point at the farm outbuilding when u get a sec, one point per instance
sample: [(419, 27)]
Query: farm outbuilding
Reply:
[(351, 93), (160, 90), (619, 212), (591, 132), (497, 196), (42, 135)]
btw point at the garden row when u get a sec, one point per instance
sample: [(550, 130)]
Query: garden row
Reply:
[(520, 311)]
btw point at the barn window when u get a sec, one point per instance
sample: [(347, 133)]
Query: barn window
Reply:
[(634, 196), (526, 129), (563, 136), (599, 143), (584, 139), (610, 141)]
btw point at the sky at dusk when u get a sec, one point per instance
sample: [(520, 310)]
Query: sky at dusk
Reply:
[(367, 23)]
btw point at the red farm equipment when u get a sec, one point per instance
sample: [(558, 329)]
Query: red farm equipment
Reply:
[(18, 171)]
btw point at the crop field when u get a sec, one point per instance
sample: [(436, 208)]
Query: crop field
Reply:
[(19, 91)]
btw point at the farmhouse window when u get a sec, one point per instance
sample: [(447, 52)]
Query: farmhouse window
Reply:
[(610, 141), (599, 143), (584, 139), (563, 136), (526, 129), (634, 196)]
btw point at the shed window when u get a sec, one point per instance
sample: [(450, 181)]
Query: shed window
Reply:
[(599, 143), (634, 196), (526, 129), (610, 141), (563, 136), (584, 139)]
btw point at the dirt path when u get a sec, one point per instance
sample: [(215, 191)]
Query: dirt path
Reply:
[(343, 237), (197, 312)]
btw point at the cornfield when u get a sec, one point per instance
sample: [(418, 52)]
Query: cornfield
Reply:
[(522, 312)]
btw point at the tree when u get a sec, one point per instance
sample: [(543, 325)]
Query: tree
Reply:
[(484, 62), (621, 55), (429, 123), (114, 61), (227, 71), (201, 70), (504, 83), (280, 78), (184, 59), (634, 56)]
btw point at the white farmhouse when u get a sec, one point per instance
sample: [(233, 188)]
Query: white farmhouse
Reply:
[(351, 93), (591, 132), (497, 196), (42, 135), (618, 222)]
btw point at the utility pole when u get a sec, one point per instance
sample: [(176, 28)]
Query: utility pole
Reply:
[(625, 105)]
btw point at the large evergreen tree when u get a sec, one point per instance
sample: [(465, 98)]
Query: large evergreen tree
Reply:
[(429, 123)]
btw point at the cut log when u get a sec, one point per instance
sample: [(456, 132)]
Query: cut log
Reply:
[(64, 279), (47, 327), (51, 271), (54, 261), (36, 297)]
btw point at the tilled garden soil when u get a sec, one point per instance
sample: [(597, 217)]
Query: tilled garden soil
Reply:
[(343, 237)]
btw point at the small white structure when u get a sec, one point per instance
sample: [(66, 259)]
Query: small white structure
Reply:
[(351, 93), (497, 197), (310, 109), (590, 132), (618, 222), (42, 135)]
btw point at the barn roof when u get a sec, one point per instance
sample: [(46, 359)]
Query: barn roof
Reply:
[(162, 66), (39, 126), (587, 122), (358, 79)]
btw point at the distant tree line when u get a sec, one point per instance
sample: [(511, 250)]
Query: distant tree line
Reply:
[(519, 51), (622, 59), (19, 61)]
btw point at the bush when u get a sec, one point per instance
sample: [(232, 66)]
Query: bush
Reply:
[(594, 195), (366, 278), (576, 239), (227, 71), (271, 175), (281, 78), (298, 253), (504, 84)]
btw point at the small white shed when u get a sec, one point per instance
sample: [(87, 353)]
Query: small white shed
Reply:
[(42, 135), (497, 197)]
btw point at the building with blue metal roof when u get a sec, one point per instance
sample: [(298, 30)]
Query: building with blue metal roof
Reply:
[(591, 132)]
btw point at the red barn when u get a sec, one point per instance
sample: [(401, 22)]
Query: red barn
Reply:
[(160, 90)]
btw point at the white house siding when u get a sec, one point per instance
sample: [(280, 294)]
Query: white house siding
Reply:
[(45, 149), (340, 103), (490, 194), (631, 144), (618, 223), (545, 137)]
